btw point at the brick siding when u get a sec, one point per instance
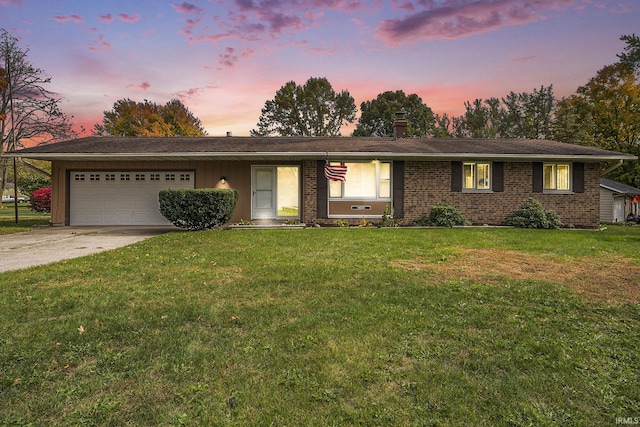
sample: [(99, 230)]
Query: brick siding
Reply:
[(426, 183), (310, 192)]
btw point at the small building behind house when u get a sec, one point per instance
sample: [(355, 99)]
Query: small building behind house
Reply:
[(617, 200)]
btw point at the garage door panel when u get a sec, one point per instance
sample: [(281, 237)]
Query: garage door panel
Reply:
[(121, 198), (94, 205), (109, 218), (125, 218), (94, 218)]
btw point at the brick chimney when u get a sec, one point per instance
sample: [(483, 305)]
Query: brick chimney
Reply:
[(400, 125)]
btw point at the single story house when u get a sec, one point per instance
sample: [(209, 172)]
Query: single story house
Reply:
[(116, 180), (617, 200)]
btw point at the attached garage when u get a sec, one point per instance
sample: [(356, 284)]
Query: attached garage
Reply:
[(121, 197)]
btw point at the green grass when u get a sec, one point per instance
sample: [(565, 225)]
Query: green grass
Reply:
[(317, 327), (27, 219)]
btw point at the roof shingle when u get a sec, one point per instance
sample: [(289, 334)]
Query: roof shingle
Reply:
[(153, 148)]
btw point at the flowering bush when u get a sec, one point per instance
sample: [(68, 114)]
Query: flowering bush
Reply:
[(41, 200)]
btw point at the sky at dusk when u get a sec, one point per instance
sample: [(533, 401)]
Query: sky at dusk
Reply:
[(224, 59)]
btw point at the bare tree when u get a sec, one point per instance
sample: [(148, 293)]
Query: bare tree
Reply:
[(28, 111)]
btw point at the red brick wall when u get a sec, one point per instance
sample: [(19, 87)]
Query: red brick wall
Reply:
[(309, 192), (427, 183)]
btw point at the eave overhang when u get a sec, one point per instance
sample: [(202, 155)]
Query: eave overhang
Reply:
[(343, 155)]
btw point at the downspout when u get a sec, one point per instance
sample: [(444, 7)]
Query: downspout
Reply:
[(616, 166)]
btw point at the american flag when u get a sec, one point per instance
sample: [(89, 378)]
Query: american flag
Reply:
[(335, 172)]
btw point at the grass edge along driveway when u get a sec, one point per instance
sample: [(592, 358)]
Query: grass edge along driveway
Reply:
[(327, 327)]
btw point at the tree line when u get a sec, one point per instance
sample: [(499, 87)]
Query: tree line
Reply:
[(604, 112)]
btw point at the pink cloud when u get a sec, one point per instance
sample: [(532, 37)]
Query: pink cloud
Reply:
[(143, 86), (254, 20), (191, 23), (129, 18), (348, 6), (185, 7), (229, 57), (403, 5), (210, 38), (11, 2), (322, 51), (106, 18), (622, 8), (189, 26), (277, 19), (460, 18), (193, 92), (70, 18), (100, 46)]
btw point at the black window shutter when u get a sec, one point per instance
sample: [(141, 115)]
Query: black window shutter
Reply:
[(398, 189), (322, 191), (578, 177), (537, 177), (456, 176), (497, 172)]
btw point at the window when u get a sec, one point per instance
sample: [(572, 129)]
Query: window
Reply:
[(557, 176), (185, 177), (364, 181), (94, 177), (125, 177), (79, 177), (140, 177), (110, 177), (170, 177), (154, 177), (288, 191), (476, 176)]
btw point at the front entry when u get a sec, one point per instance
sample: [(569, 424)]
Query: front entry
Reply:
[(275, 192)]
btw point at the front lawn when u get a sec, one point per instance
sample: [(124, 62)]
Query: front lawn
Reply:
[(341, 326), (27, 218)]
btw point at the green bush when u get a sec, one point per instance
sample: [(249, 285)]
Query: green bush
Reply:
[(198, 209), (533, 215), (442, 214)]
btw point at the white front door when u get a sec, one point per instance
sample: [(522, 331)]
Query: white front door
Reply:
[(275, 192), (264, 192)]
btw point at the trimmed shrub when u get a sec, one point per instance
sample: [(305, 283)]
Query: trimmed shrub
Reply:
[(41, 200), (198, 209), (443, 214), (533, 215)]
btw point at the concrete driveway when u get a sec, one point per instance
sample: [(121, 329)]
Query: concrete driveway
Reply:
[(50, 244)]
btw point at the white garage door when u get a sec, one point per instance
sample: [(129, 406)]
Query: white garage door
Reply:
[(121, 198)]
